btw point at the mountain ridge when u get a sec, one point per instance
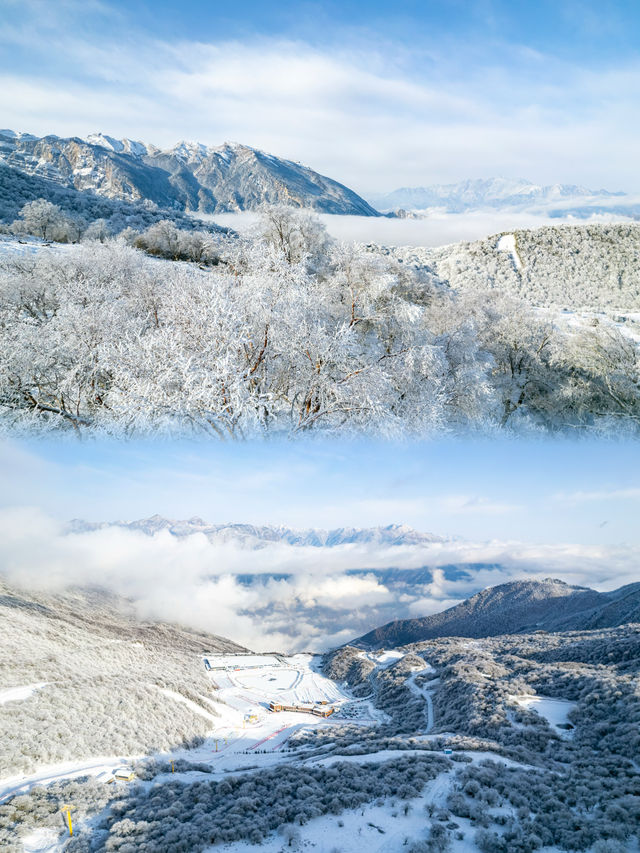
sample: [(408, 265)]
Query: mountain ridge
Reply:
[(512, 608), (389, 535), (189, 176), (493, 193)]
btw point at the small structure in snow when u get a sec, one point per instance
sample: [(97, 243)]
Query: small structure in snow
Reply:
[(123, 774), (106, 777), (317, 710)]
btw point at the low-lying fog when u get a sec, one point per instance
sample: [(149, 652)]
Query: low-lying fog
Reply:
[(437, 229)]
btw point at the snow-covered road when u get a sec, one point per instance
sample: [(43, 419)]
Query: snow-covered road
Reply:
[(12, 785), (424, 692)]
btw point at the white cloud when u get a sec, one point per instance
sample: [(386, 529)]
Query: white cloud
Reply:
[(360, 115)]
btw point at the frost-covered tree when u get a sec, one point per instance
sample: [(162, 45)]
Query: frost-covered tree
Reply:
[(286, 332), (46, 220)]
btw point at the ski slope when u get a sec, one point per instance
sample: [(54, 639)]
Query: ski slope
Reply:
[(245, 733), (243, 729)]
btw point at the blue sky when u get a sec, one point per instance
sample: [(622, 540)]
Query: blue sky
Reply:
[(375, 94), (592, 31), (550, 491)]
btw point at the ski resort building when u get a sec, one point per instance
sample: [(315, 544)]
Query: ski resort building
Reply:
[(124, 774), (322, 710)]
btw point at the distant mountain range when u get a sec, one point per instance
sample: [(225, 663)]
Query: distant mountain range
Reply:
[(188, 177), (506, 193), (195, 178), (514, 608), (251, 536)]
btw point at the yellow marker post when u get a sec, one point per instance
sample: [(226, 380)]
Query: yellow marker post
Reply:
[(67, 809), (172, 767)]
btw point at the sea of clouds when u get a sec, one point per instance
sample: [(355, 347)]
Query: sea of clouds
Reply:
[(282, 596)]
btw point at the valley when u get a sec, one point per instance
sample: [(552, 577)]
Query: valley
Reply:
[(448, 741)]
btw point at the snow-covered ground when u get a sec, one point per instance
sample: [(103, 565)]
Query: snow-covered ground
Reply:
[(627, 323), (28, 246), (386, 657), (233, 662), (10, 786), (41, 841), (382, 827), (17, 694), (507, 243), (555, 711)]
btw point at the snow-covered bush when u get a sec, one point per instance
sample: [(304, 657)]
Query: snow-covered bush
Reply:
[(287, 332)]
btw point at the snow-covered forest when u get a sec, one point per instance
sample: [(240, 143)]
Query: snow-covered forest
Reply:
[(287, 331), (592, 267), (103, 683), (508, 744)]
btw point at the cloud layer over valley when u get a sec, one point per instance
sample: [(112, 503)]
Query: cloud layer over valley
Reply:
[(270, 594)]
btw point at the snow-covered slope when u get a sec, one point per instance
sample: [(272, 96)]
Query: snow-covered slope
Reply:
[(516, 607), (502, 193), (579, 267), (80, 674), (189, 176)]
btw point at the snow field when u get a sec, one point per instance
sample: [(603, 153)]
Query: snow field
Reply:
[(507, 243), (555, 711), (17, 694), (41, 841), (240, 662)]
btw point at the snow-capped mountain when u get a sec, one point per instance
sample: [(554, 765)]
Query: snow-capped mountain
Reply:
[(496, 193), (250, 536), (189, 176)]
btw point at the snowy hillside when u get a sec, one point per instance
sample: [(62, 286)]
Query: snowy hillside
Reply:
[(511, 743), (578, 267), (83, 676), (188, 176), (516, 607)]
